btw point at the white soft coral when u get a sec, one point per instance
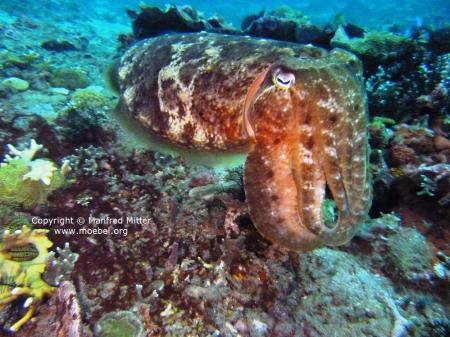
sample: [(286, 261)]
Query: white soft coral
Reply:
[(40, 170), (26, 154)]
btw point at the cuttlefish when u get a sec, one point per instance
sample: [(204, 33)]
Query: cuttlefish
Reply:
[(298, 112)]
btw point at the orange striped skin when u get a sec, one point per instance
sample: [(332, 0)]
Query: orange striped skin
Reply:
[(299, 110)]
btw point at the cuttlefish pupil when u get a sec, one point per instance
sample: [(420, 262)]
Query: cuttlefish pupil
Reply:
[(302, 144), (283, 80)]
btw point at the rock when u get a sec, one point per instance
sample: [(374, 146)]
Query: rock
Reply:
[(247, 21), (70, 78), (15, 84), (60, 91), (58, 46), (353, 30), (286, 24), (382, 184), (153, 21), (60, 317), (258, 323), (335, 285), (273, 27), (314, 34), (440, 40), (44, 110), (407, 253)]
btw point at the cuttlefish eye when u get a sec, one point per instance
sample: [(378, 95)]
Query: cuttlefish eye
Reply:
[(282, 79)]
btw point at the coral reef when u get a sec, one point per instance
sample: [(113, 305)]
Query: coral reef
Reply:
[(169, 248), (439, 40), (12, 219), (375, 47), (410, 87), (10, 59), (356, 302)]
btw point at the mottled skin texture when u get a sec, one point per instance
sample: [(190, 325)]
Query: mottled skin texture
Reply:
[(190, 89)]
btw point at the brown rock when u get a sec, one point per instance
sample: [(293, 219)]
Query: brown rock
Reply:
[(59, 317), (441, 143)]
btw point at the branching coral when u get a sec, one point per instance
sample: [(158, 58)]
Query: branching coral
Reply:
[(380, 133), (410, 85), (27, 181), (433, 181), (60, 267), (23, 258)]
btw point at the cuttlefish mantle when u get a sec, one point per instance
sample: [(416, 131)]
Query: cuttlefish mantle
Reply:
[(299, 112)]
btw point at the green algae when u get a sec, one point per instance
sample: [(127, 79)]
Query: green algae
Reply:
[(119, 324), (70, 78)]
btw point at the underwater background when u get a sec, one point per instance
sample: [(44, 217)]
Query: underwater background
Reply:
[(105, 235)]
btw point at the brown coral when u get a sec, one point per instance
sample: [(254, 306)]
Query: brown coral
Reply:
[(402, 155)]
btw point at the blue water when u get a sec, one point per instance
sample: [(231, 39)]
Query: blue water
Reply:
[(375, 14)]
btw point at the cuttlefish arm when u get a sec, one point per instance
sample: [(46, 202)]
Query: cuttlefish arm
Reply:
[(308, 137), (255, 89)]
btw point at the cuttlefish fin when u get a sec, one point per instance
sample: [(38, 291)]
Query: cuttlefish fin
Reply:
[(255, 89)]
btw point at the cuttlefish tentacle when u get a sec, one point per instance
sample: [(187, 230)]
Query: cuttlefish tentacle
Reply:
[(273, 202), (255, 89), (351, 152), (307, 167)]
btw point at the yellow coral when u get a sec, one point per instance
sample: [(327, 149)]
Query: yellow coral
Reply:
[(373, 44), (91, 99), (23, 258), (27, 181)]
